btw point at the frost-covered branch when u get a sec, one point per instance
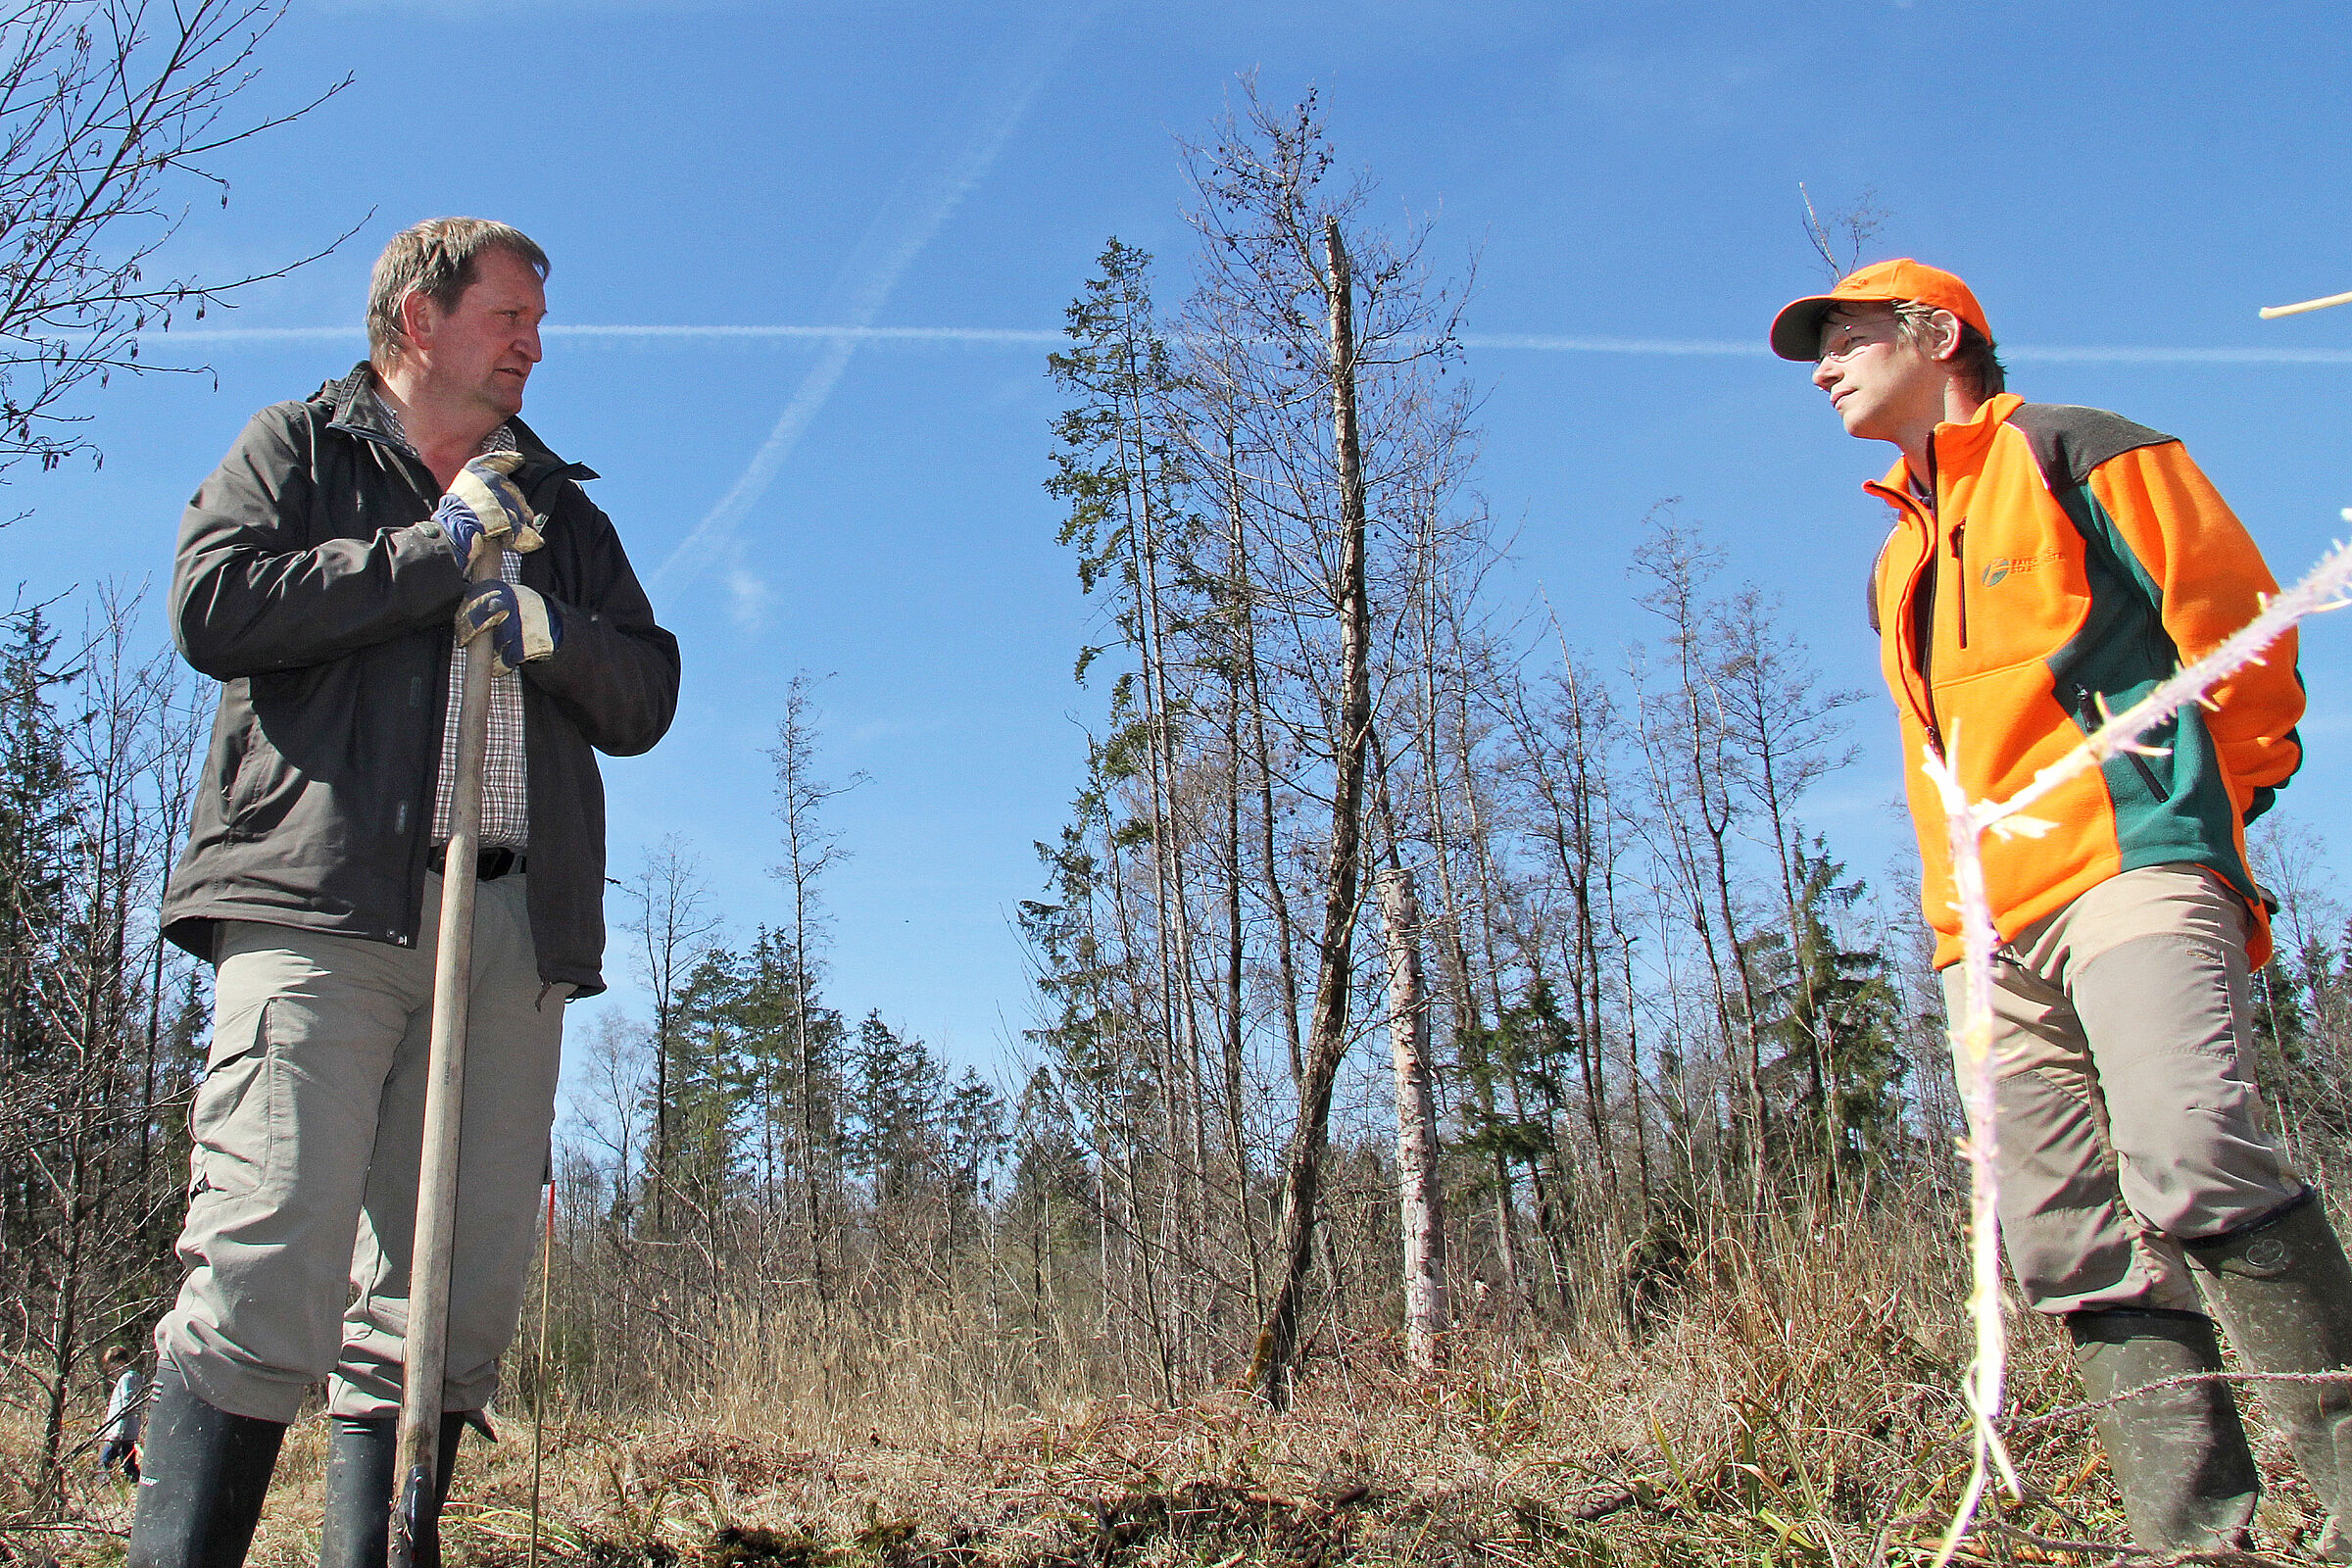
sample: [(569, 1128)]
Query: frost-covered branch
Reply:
[(1967, 821)]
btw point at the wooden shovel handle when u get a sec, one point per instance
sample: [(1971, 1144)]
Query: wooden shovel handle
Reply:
[(416, 1541)]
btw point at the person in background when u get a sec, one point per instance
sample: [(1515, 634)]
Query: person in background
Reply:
[(120, 1433)]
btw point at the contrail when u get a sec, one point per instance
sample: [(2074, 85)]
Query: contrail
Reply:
[(1547, 343), (2139, 355), (593, 333), (1025, 337), (906, 224), (1734, 348)]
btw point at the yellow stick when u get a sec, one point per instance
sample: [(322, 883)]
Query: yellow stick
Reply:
[(2270, 310)]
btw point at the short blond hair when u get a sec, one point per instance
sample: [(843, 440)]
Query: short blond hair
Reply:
[(436, 259), (1974, 357)]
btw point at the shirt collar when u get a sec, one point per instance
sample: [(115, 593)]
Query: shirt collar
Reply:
[(357, 408), (501, 439), (1961, 440)]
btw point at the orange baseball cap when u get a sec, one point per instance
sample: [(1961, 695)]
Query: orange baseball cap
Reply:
[(1796, 330)]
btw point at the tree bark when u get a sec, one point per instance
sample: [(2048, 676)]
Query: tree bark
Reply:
[(1276, 1348), (1420, 1204)]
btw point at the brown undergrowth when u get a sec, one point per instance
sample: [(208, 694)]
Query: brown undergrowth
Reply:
[(1795, 1405)]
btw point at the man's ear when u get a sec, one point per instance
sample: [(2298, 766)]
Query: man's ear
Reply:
[(419, 315), (1948, 336)]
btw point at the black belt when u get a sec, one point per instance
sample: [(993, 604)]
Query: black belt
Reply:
[(489, 866)]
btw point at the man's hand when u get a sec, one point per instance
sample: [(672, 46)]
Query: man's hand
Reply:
[(485, 511), (522, 625)]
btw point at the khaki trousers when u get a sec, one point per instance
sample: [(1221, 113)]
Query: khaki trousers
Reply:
[(308, 1127), (2128, 1117)]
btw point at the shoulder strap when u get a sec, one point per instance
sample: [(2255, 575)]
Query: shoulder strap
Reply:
[(2069, 442)]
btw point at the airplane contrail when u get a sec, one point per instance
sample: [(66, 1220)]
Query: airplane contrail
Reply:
[(595, 332), (1736, 348), (1031, 337), (2162, 356), (907, 223)]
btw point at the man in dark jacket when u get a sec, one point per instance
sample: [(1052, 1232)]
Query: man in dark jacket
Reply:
[(323, 578)]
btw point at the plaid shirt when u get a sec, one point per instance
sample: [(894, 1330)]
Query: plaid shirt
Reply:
[(506, 801)]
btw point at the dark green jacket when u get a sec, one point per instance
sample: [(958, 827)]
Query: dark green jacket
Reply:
[(310, 585)]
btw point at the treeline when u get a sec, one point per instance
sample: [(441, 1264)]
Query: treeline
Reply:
[(102, 1026)]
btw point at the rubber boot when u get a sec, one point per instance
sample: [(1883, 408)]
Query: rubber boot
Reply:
[(360, 1453), (2180, 1455), (2285, 1293), (203, 1475)]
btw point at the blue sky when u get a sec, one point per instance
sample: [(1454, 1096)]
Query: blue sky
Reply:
[(2122, 194)]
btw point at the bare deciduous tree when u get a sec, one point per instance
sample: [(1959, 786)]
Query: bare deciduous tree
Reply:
[(675, 925), (1848, 228), (110, 113), (810, 849)]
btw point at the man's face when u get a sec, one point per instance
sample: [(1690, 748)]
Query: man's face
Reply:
[(1881, 384), (478, 354)]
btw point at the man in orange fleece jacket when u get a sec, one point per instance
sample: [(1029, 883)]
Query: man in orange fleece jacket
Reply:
[(2049, 565)]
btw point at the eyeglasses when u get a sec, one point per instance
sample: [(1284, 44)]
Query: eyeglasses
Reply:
[(1849, 341)]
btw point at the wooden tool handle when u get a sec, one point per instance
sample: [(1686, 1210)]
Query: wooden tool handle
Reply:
[(416, 1540)]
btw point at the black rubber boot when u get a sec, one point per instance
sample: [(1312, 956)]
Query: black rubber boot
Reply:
[(203, 1475), (359, 1456), (2285, 1293), (2180, 1455)]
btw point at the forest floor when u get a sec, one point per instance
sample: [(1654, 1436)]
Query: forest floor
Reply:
[(1778, 1415)]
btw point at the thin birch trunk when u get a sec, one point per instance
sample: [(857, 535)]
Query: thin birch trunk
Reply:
[(1420, 1205)]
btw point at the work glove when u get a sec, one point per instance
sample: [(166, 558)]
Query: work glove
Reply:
[(522, 624), (484, 510)]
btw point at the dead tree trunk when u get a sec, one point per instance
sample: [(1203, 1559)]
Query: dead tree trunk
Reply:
[(1276, 1348), (1236, 980), (1420, 1205)]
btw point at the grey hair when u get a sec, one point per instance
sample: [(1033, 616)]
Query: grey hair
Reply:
[(437, 259), (1973, 360)]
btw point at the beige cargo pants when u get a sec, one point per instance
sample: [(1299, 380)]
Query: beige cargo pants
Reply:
[(2129, 1120), (307, 1129)]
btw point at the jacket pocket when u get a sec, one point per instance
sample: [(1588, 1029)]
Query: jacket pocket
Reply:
[(2086, 714), (241, 784), (227, 769), (262, 789), (1960, 578), (235, 1119)]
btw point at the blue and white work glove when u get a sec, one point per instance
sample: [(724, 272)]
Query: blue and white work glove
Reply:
[(485, 511), (521, 623)]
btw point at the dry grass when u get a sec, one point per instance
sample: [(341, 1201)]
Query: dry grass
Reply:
[(1796, 1407)]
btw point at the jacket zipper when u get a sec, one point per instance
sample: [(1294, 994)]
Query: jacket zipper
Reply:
[(1923, 626), (1960, 574), (1919, 584), (2087, 713)]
